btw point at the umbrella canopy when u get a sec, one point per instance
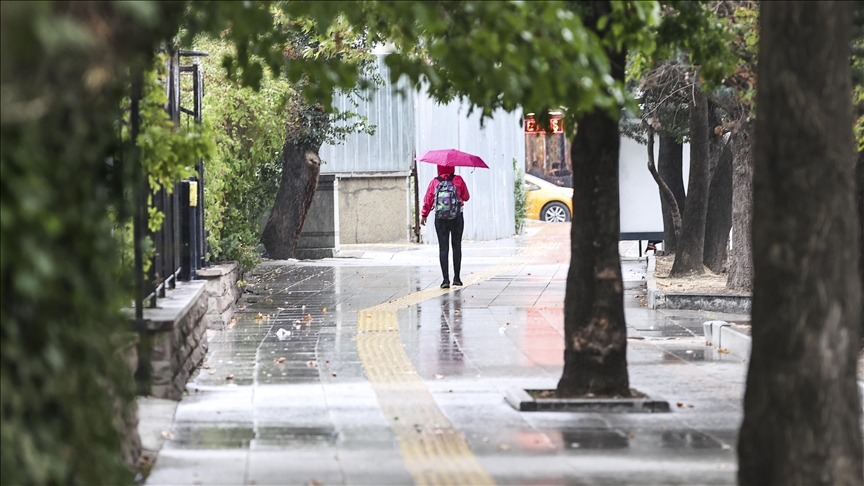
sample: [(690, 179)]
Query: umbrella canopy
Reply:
[(452, 158)]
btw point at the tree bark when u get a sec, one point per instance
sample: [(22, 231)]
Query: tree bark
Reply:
[(595, 333), (718, 219), (741, 261), (667, 197), (670, 161), (300, 169), (859, 184), (801, 407), (688, 257)]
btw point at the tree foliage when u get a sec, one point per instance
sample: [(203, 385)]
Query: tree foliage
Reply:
[(254, 119), (64, 71), (249, 129)]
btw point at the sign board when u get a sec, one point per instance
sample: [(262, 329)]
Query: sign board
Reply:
[(555, 123), (641, 216)]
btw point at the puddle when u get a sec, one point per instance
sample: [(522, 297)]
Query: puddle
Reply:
[(689, 439), (295, 434), (685, 354), (594, 439), (211, 438)]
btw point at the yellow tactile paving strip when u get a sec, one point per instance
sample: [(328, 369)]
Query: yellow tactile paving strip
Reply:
[(434, 452)]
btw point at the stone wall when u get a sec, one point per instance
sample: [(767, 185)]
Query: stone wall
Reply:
[(222, 293), (320, 235), (374, 209), (177, 338)]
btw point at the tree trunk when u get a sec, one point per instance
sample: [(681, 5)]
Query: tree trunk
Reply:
[(688, 257), (670, 163), (859, 178), (801, 407), (595, 333), (300, 169), (718, 219), (741, 262)]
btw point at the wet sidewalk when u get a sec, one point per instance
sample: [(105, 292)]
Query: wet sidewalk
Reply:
[(359, 370)]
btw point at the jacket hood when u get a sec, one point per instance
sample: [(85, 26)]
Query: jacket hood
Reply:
[(445, 171)]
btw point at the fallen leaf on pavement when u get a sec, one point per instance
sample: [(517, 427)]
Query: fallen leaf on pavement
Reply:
[(723, 351), (503, 447), (206, 366), (167, 435), (323, 309), (308, 319), (279, 360), (230, 377), (438, 377), (312, 363)]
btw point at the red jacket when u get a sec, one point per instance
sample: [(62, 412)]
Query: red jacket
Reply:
[(429, 199)]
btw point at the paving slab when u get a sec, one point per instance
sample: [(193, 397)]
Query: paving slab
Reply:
[(392, 381)]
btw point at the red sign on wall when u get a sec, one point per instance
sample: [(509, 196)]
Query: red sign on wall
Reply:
[(555, 123)]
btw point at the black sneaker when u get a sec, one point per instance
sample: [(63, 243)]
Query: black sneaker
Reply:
[(457, 282), (445, 284)]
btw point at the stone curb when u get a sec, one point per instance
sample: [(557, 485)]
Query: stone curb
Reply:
[(726, 303), (721, 335)]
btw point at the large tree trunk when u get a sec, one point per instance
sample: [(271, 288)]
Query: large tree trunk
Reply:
[(670, 161), (595, 333), (718, 219), (741, 262), (801, 408), (688, 257), (300, 169), (859, 178)]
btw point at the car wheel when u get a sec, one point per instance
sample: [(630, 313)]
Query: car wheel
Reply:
[(555, 212)]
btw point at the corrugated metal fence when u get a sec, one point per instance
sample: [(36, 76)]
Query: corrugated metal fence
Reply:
[(415, 123), (392, 146), (489, 213)]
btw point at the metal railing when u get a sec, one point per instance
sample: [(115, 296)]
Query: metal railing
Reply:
[(180, 247)]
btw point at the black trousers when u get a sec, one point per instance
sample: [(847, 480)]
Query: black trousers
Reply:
[(450, 229)]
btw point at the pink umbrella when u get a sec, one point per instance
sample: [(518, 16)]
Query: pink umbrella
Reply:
[(452, 158)]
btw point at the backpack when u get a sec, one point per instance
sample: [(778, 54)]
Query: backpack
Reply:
[(447, 203)]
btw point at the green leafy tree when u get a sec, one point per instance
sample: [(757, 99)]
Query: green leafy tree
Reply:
[(266, 41), (248, 127), (64, 390)]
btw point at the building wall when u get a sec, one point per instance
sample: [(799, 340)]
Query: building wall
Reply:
[(373, 209)]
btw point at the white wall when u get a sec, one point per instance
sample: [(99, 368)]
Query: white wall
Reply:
[(639, 194)]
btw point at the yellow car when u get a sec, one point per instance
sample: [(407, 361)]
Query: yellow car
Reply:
[(548, 202)]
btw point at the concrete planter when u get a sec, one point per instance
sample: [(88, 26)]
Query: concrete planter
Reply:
[(176, 339), (726, 303), (523, 401)]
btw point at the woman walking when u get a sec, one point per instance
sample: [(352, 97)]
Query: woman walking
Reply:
[(447, 194)]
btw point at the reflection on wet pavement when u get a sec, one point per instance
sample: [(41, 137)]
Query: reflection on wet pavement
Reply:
[(300, 406)]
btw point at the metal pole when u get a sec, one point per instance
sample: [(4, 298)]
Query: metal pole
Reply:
[(416, 201), (137, 196), (199, 119)]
